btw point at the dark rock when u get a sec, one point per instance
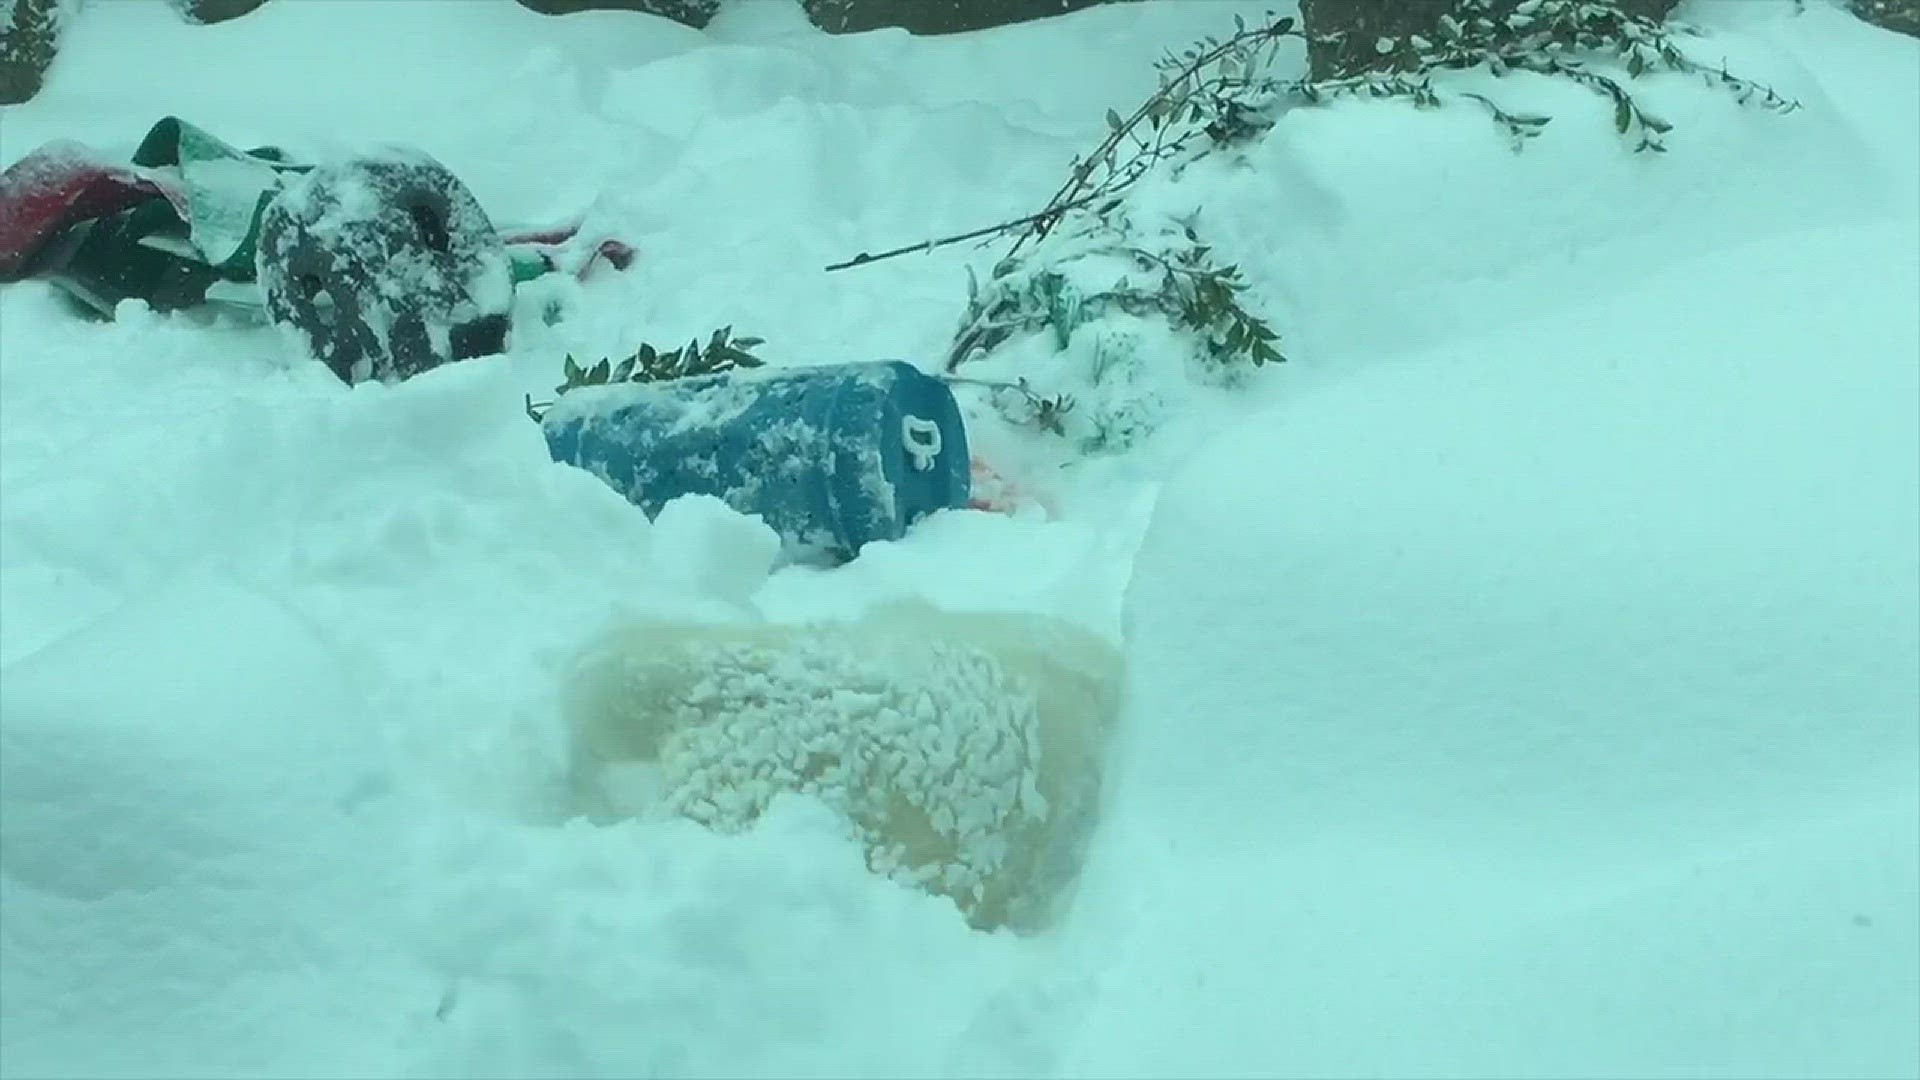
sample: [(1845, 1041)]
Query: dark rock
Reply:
[(214, 11), (934, 16), (694, 13)]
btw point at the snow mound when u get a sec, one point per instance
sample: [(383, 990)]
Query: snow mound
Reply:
[(1520, 684), (1582, 738)]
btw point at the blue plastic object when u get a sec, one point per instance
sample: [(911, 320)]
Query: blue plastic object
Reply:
[(833, 457)]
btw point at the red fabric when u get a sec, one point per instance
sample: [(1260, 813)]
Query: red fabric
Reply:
[(58, 185), (552, 237), (619, 253), (996, 494)]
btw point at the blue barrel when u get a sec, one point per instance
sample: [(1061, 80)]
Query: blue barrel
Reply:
[(832, 458)]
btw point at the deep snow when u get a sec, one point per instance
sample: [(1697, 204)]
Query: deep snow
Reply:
[(1525, 680)]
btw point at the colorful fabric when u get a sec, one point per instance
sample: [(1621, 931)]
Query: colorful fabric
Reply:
[(184, 217), (560, 249), (227, 190)]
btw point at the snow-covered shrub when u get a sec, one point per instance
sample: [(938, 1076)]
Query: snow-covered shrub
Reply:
[(1103, 280), (1352, 53), (1342, 34), (964, 750), (29, 39), (1096, 331), (1900, 16), (1133, 303)]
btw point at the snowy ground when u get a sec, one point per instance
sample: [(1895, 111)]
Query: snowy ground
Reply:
[(1525, 680)]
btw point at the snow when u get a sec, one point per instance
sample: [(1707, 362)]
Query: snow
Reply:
[(1588, 690), (1525, 680)]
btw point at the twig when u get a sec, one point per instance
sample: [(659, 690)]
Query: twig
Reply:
[(1073, 193), (864, 258), (1020, 387), (1047, 411), (1056, 207)]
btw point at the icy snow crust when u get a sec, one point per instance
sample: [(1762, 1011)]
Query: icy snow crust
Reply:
[(964, 750), (1522, 681)]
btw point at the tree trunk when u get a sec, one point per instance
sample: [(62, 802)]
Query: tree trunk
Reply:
[(694, 13)]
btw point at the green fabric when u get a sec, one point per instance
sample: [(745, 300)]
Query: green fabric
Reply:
[(152, 253), (527, 265), (228, 190)]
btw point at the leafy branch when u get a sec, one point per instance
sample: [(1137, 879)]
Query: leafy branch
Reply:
[(1044, 411), (722, 352), (1209, 303)]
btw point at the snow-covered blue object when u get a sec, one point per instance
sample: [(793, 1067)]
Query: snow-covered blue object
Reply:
[(832, 457)]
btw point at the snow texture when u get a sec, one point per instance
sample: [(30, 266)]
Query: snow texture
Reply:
[(965, 750), (1521, 682)]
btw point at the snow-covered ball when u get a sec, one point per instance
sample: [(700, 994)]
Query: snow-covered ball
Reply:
[(384, 266), (965, 750)]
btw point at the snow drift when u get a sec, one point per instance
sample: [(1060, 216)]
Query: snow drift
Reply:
[(1521, 682)]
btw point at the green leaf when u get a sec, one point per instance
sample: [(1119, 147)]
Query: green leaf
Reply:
[(1113, 120), (572, 370), (1237, 338), (1622, 115), (623, 370), (597, 376)]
